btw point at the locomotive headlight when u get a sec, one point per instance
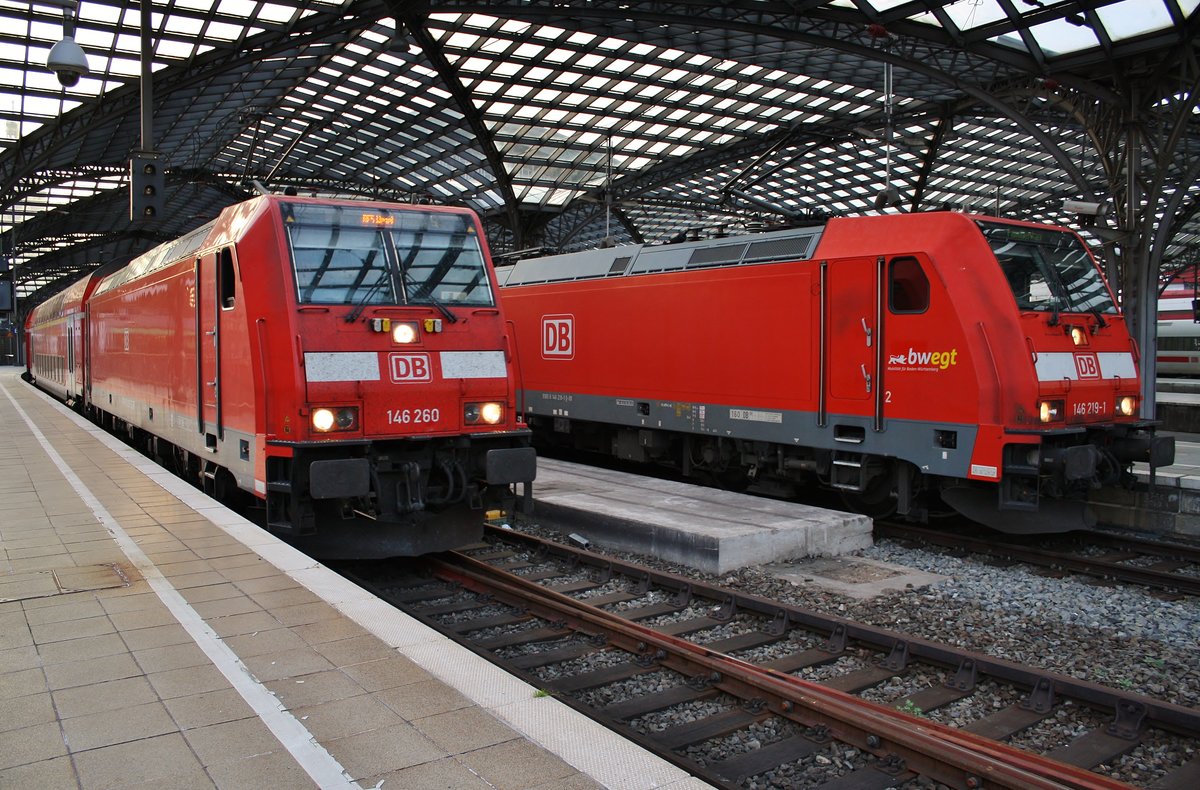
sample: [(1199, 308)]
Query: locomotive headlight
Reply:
[(1127, 406), (1079, 336), (404, 333), (486, 413), (491, 413), (1051, 410), (325, 420)]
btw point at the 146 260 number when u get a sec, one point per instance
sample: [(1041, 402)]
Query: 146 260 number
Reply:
[(413, 416)]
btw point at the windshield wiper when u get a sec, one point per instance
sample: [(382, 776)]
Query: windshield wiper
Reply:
[(1053, 312), (422, 294), (361, 304)]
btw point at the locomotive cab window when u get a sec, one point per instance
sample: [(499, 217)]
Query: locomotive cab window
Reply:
[(374, 256), (1048, 270), (908, 287)]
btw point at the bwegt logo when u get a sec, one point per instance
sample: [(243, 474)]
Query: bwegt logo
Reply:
[(926, 359), (558, 336)]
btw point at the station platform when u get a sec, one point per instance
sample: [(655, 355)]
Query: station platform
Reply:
[(1177, 404), (1165, 504), (149, 637)]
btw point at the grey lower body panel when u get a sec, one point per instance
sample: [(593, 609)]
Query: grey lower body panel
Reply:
[(921, 443), (229, 448)]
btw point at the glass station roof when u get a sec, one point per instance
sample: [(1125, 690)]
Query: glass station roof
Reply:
[(568, 125)]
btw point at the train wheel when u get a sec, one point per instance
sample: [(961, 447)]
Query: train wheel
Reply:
[(876, 501)]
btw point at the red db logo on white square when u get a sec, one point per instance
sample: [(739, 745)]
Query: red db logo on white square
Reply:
[(410, 367), (1087, 366), (558, 336)]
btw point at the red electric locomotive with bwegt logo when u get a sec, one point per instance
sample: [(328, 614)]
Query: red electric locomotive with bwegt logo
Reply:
[(908, 361), (345, 362)]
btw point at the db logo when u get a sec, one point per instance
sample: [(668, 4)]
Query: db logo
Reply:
[(558, 336), (1088, 366), (410, 367)]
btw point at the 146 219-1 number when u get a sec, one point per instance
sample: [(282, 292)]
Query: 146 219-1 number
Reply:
[(413, 416)]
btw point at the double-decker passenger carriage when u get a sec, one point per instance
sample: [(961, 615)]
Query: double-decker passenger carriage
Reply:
[(1178, 331), (892, 358), (345, 362), (55, 340)]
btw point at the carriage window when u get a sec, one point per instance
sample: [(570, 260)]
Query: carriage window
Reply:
[(226, 279), (908, 287)]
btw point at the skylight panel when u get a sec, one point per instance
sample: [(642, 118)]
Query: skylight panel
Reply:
[(558, 55), (173, 50), (278, 14), (569, 78), (507, 69), (489, 87), (418, 70), (223, 31), (514, 27), (460, 40), (396, 63), (374, 36), (588, 61), (612, 44), (377, 73), (528, 51), (194, 5), (1130, 18), (1059, 37)]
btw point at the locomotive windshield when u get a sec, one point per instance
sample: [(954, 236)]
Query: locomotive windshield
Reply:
[(1048, 270), (370, 255)]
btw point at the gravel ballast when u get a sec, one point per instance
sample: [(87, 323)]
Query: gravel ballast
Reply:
[(1120, 636)]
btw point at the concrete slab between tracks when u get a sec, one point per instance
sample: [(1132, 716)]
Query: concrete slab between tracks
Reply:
[(704, 528), (854, 577)]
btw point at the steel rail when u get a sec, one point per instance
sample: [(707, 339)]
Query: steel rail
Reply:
[(945, 754), (1145, 577), (1158, 713)]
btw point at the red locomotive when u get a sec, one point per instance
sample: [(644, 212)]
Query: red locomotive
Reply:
[(895, 358), (345, 362)]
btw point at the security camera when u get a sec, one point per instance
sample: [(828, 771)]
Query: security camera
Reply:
[(888, 196), (1083, 207), (67, 61)]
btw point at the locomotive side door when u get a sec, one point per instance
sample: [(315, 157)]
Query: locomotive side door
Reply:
[(208, 347), (852, 328)]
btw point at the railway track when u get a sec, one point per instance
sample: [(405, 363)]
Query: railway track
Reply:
[(744, 691), (1171, 568)]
